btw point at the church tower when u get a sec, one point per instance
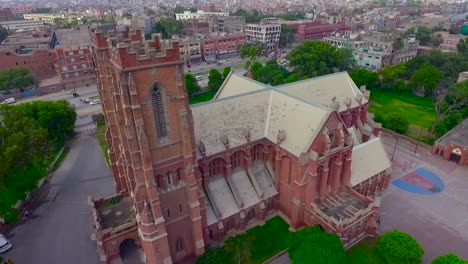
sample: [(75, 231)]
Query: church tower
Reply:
[(152, 151)]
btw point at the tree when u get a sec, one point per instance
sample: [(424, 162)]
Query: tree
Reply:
[(20, 77), (191, 84), (389, 75), (397, 247), (291, 78), (215, 80), (422, 33), (251, 51), (179, 9), (448, 259), (214, 256), (362, 76), (168, 27), (396, 122), (287, 35), (3, 33), (312, 245), (398, 43), (239, 246), (272, 74), (450, 99), (436, 40), (193, 9), (427, 77), (255, 68), (148, 11), (317, 58), (226, 72), (462, 47)]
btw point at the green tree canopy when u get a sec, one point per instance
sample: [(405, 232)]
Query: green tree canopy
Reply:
[(251, 51), (215, 80), (148, 11), (397, 247), (239, 246), (448, 259), (427, 77), (168, 27), (3, 33), (191, 84), (362, 76), (396, 122), (312, 245), (20, 77), (317, 58), (422, 33), (462, 47), (286, 35), (226, 72), (255, 68), (179, 9), (272, 74)]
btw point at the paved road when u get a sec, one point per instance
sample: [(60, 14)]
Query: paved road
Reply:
[(60, 228), (82, 109)]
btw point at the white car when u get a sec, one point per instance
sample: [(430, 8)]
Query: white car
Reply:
[(198, 78), (9, 101), (94, 102), (4, 244)]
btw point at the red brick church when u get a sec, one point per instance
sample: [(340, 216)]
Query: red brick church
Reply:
[(188, 176)]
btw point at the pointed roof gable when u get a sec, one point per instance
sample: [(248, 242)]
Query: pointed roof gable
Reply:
[(236, 84)]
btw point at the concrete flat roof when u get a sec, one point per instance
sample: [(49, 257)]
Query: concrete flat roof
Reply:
[(458, 135)]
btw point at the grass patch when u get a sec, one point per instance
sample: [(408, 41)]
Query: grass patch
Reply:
[(101, 138), (419, 111), (364, 253), (200, 98), (61, 159), (94, 97)]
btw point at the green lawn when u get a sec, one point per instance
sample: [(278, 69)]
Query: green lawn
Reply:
[(364, 253), (94, 97), (200, 98), (101, 138), (419, 111)]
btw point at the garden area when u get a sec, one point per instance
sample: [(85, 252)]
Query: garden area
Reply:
[(418, 111)]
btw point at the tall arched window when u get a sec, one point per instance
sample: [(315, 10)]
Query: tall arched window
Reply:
[(237, 159), (158, 110), (257, 152), (217, 167), (179, 244)]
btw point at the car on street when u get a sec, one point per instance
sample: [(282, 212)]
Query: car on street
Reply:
[(4, 244), (9, 101), (95, 102), (198, 78)]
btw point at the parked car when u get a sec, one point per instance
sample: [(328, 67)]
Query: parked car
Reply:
[(9, 101), (4, 244), (75, 94), (198, 78), (95, 102)]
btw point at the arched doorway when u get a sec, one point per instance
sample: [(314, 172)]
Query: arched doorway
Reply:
[(455, 155), (129, 252)]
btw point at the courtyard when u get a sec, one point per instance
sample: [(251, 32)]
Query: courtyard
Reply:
[(428, 199)]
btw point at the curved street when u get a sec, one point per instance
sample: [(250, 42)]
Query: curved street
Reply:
[(59, 230)]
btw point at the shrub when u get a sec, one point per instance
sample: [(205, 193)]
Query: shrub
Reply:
[(312, 245), (397, 247), (448, 259), (396, 122), (214, 256)]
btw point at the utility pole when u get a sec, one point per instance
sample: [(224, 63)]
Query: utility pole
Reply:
[(394, 148), (417, 143)]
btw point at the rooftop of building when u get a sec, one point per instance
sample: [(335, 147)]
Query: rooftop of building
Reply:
[(29, 37), (341, 206), (458, 135), (115, 212), (78, 36)]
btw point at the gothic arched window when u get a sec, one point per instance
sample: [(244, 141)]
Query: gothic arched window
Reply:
[(179, 244), (158, 109)]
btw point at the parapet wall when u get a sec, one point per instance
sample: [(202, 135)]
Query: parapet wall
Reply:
[(128, 49)]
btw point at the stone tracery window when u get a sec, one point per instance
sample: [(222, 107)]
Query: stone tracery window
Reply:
[(158, 109)]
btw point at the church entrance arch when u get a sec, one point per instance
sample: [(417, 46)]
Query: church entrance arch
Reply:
[(129, 252), (455, 155)]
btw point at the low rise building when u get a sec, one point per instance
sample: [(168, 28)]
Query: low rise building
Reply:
[(75, 65), (267, 32), (311, 30), (25, 41), (194, 27), (6, 14), (199, 14), (449, 41), (190, 50), (454, 145), (15, 25), (230, 24), (221, 47), (39, 60)]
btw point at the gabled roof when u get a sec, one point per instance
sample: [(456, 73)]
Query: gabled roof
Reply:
[(369, 159), (263, 114), (236, 84)]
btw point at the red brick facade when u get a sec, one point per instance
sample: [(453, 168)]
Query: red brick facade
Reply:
[(223, 46), (40, 61), (6, 14), (316, 30), (75, 65), (163, 174)]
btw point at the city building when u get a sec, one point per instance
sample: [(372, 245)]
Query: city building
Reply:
[(265, 32), (6, 14), (199, 14), (27, 40), (454, 145), (190, 50), (22, 24), (39, 60), (188, 176), (222, 47), (195, 27), (74, 59), (230, 24), (449, 41), (313, 30)]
